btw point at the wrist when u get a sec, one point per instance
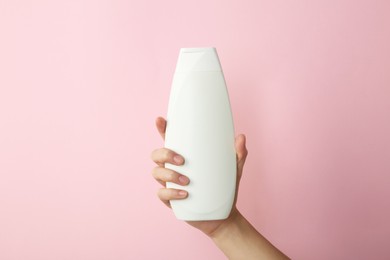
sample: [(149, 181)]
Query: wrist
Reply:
[(227, 227)]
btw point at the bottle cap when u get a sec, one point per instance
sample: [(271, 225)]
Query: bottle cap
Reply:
[(198, 59)]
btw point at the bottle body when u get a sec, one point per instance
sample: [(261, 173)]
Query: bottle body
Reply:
[(200, 128)]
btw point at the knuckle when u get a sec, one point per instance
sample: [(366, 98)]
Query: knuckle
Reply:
[(171, 176), (155, 171), (160, 193), (167, 154), (153, 155)]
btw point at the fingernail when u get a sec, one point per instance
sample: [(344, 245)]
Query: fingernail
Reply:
[(178, 159), (182, 193), (183, 179)]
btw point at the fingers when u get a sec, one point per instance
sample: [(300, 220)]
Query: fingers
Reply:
[(164, 175), (165, 195), (242, 153), (161, 125), (164, 155)]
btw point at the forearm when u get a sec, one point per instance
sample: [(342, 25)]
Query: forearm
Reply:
[(238, 239)]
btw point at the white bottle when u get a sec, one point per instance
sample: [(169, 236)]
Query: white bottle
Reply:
[(200, 128)]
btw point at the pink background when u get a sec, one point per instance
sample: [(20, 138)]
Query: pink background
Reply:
[(81, 83)]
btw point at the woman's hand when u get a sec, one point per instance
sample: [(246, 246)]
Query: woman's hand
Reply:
[(163, 175)]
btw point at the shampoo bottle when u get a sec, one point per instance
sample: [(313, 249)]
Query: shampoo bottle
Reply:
[(200, 128)]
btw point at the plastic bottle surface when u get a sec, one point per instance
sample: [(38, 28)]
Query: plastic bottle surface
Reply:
[(200, 128)]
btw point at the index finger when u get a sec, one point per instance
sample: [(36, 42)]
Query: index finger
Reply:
[(161, 125)]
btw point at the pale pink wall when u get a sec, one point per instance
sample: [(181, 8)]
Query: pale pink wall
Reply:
[(82, 81)]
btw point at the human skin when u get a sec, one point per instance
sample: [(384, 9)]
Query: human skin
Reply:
[(235, 236)]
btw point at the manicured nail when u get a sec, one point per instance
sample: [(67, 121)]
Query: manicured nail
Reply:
[(182, 193), (178, 159), (183, 179)]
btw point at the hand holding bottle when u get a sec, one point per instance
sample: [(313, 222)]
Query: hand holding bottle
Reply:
[(163, 175)]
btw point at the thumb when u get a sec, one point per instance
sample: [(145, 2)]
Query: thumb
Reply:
[(241, 153)]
